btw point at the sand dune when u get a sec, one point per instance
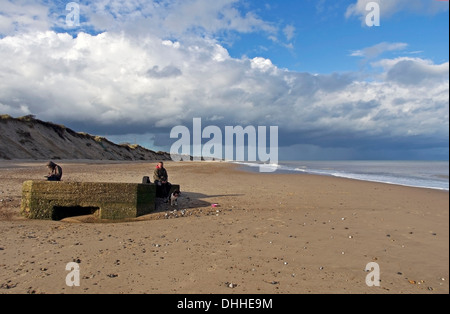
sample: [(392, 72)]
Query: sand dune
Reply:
[(29, 138)]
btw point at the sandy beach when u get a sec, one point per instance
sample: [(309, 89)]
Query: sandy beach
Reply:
[(272, 233)]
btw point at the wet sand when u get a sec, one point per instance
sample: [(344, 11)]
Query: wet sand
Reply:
[(272, 233)]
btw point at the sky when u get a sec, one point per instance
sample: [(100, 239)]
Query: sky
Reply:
[(337, 86)]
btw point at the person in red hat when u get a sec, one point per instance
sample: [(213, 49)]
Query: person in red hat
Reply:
[(161, 179)]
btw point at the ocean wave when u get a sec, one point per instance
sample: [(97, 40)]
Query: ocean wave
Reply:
[(397, 173)]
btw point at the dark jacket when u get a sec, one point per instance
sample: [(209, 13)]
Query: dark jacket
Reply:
[(56, 173), (160, 174)]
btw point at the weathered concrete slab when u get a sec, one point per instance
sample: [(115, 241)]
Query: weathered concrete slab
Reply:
[(114, 201)]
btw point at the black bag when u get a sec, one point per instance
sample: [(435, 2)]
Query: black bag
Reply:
[(146, 180)]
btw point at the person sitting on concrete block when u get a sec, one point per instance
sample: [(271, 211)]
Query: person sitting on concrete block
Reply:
[(161, 179), (55, 173)]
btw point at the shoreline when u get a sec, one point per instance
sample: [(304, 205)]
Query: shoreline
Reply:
[(291, 234), (239, 166), (245, 166)]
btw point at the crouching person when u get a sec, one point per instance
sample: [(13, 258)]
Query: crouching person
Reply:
[(55, 173)]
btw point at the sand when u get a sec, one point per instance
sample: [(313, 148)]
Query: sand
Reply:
[(272, 233)]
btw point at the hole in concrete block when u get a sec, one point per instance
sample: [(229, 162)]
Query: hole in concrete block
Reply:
[(60, 213)]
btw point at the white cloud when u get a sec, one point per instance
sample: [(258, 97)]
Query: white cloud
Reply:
[(289, 32), (262, 64), (212, 17), (168, 18), (379, 49), (23, 16), (413, 71), (113, 80), (390, 7), (172, 18)]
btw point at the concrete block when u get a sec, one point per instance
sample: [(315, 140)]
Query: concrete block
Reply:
[(113, 201)]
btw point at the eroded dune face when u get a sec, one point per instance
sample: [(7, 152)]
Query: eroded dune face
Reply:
[(29, 138)]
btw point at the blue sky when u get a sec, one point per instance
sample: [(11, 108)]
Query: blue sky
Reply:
[(323, 37), (337, 89)]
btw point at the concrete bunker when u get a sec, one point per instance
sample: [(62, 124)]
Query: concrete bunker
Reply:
[(63, 212), (112, 201)]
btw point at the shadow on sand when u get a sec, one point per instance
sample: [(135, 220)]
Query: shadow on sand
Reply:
[(189, 204), (189, 200)]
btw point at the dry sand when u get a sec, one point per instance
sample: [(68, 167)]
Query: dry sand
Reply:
[(271, 234)]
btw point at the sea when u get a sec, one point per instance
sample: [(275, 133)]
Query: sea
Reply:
[(422, 174)]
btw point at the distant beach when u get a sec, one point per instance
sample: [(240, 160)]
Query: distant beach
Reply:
[(286, 233)]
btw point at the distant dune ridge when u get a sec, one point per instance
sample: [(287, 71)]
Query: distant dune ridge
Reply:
[(30, 138)]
